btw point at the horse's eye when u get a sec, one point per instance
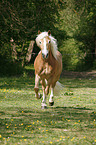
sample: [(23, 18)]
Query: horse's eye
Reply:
[(40, 42), (49, 41)]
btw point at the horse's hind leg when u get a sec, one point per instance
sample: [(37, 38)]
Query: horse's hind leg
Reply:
[(51, 101), (36, 88)]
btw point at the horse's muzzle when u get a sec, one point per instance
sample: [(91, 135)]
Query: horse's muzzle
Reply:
[(45, 56)]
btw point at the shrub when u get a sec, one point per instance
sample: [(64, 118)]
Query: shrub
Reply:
[(71, 54)]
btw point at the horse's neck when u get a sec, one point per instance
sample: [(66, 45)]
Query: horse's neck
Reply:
[(50, 55), (50, 58)]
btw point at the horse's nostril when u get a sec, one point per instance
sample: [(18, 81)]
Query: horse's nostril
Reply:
[(43, 55), (47, 55)]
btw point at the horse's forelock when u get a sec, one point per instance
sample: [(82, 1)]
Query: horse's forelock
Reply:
[(53, 42), (41, 36)]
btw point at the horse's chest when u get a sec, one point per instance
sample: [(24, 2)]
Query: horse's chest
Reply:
[(47, 71)]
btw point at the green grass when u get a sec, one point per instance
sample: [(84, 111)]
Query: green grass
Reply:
[(71, 121)]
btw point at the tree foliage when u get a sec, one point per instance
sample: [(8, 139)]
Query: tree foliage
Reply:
[(20, 22), (72, 22), (79, 21), (21, 19)]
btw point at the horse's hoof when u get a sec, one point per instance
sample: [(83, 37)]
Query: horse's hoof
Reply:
[(43, 107), (39, 96), (51, 103)]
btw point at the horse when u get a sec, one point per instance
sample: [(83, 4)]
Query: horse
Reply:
[(48, 66)]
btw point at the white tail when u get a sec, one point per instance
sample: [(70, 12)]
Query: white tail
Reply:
[(58, 88)]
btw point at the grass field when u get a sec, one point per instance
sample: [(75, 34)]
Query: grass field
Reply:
[(71, 121)]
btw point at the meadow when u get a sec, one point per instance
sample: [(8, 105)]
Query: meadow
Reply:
[(71, 121)]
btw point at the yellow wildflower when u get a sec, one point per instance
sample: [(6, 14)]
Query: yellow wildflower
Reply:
[(72, 138), (57, 140)]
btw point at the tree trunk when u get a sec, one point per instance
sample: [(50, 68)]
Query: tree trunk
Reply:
[(30, 49)]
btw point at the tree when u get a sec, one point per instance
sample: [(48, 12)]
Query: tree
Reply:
[(87, 29), (78, 19), (21, 20)]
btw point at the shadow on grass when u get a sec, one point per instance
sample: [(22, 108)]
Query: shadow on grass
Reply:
[(17, 83), (28, 82), (15, 122)]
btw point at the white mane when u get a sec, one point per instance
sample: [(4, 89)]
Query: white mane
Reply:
[(53, 42)]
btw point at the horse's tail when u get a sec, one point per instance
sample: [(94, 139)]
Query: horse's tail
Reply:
[(58, 88)]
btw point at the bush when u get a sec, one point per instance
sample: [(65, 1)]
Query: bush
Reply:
[(7, 65), (10, 68), (94, 64), (71, 54)]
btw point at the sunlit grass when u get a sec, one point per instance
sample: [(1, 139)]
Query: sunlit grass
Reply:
[(72, 119)]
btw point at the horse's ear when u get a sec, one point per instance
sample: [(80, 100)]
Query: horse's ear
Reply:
[(39, 32), (49, 32)]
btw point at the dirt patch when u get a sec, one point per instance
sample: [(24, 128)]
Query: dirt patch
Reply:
[(72, 74)]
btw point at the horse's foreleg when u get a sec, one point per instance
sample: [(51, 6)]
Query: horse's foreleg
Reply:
[(47, 87), (51, 101), (47, 90), (43, 105), (36, 88), (44, 96)]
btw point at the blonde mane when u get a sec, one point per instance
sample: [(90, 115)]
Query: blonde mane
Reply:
[(53, 42)]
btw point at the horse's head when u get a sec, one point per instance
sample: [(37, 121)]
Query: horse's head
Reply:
[(45, 45)]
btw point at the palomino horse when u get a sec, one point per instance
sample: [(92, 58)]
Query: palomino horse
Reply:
[(48, 66)]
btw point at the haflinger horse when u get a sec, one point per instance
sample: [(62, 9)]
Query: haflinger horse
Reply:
[(48, 66)]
